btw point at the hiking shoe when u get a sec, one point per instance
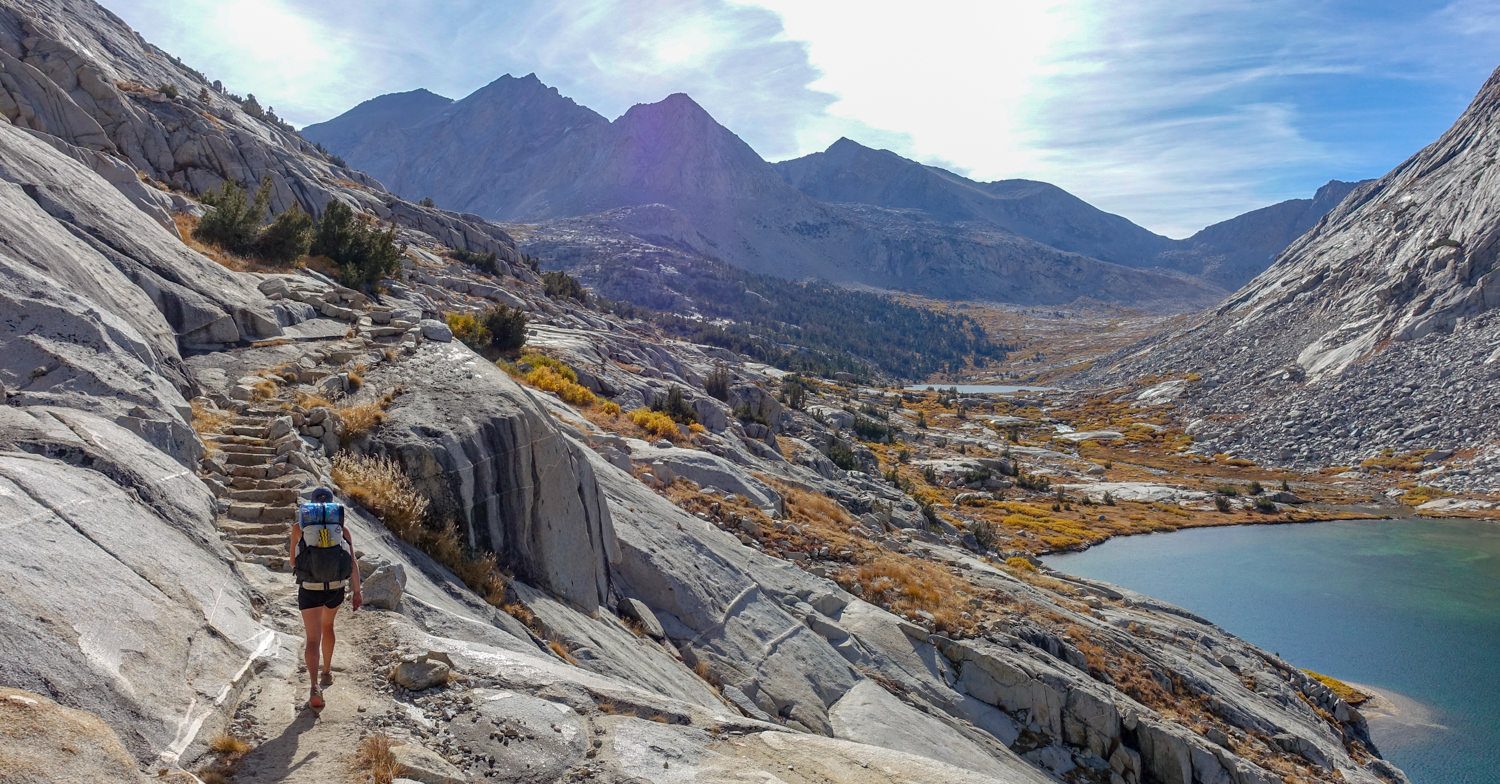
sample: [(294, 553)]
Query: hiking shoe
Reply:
[(326, 679)]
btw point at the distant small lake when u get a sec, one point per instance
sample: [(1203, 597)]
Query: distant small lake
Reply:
[(1407, 606), (979, 389)]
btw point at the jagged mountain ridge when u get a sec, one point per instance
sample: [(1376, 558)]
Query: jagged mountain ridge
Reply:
[(739, 208), (1375, 330), (1228, 253), (873, 217)]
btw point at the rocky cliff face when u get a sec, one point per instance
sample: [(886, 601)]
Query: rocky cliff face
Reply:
[(558, 161), (1374, 331)]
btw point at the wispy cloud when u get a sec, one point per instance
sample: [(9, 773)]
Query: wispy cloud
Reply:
[(1173, 114)]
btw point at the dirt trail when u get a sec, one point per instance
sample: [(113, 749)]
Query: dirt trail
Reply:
[(295, 743)]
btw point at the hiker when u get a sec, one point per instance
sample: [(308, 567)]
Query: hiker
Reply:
[(322, 559)]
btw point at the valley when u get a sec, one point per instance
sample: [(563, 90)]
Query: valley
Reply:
[(666, 463)]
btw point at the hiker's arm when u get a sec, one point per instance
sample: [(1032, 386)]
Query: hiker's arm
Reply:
[(291, 558), (357, 598)]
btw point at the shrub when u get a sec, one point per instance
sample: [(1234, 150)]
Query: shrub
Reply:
[(233, 218), (745, 413), (561, 285), (675, 405), (655, 423), (1264, 505), (1229, 490), (507, 327), (468, 328), (985, 534), (1020, 563), (871, 430), (794, 392), (427, 202), (286, 239), (610, 408), (167, 89), (363, 254), (842, 455), (1256, 488), (548, 379), (1221, 503), (717, 383), (488, 262)]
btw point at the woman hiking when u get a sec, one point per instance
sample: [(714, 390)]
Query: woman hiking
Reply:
[(322, 559)]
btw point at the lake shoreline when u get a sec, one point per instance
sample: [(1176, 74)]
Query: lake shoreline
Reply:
[(1353, 514), (1407, 611)]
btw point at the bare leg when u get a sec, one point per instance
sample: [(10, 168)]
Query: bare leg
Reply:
[(329, 639), (312, 625)]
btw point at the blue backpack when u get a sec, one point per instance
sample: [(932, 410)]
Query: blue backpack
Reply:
[(322, 555)]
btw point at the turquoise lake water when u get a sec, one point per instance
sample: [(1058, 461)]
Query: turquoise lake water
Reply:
[(1405, 606)]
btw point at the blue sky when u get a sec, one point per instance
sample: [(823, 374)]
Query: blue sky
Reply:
[(1173, 114)]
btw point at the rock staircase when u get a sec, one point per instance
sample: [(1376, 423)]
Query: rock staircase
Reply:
[(259, 486), (271, 450)]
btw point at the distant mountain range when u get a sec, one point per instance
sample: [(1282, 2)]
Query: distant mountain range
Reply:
[(516, 150)]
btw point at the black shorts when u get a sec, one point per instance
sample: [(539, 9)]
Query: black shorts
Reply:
[(308, 599)]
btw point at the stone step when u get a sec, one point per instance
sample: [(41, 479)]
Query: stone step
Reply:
[(252, 483), (255, 512), (254, 431), (249, 449), (276, 563), (261, 471), (247, 549), (278, 496), (236, 528), (224, 441), (232, 459), (277, 541)]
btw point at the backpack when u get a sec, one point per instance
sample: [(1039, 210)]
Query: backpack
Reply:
[(322, 556)]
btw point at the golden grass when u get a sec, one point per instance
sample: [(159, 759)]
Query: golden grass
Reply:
[(656, 423), (1421, 494), (1340, 689), (1020, 564), (360, 418), (467, 327), (562, 652), (549, 380), (521, 613), (309, 400), (228, 744), (229, 752), (374, 759), (381, 485), (1390, 460), (265, 389), (187, 223), (207, 420)]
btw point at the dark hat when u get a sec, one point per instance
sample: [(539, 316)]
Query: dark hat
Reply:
[(322, 495)]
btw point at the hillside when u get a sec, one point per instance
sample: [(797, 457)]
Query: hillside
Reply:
[(608, 556), (1226, 254), (1373, 336), (734, 206)]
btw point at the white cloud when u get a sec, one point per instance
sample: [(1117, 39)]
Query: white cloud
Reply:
[(1173, 114)]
